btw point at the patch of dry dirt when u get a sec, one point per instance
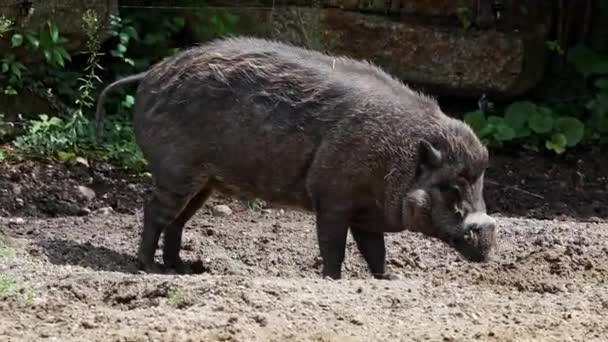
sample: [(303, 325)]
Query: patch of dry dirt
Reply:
[(74, 279), (67, 266)]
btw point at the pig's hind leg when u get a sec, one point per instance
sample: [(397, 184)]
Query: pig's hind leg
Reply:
[(173, 232), (164, 211)]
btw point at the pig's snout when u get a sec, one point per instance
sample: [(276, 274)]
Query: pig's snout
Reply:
[(480, 224), (479, 237)]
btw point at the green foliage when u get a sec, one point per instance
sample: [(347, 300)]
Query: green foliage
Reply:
[(587, 62), (68, 137), (8, 286), (526, 123), (47, 41), (5, 25), (71, 88), (463, 13), (124, 31), (554, 127), (176, 298)]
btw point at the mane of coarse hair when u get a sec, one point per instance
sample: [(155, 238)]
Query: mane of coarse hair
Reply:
[(364, 67)]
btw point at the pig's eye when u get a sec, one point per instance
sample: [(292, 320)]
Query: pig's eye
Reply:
[(451, 193)]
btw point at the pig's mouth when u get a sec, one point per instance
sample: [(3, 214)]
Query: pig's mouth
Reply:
[(473, 247)]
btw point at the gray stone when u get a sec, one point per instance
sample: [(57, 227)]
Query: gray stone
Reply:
[(222, 210)]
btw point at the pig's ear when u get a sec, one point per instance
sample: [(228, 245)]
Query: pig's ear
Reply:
[(428, 157)]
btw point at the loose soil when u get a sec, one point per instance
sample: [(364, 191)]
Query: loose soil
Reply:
[(68, 271), (520, 184)]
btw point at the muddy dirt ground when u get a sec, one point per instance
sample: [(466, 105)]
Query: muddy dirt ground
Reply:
[(67, 266)]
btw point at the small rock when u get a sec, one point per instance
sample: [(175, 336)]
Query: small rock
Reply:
[(222, 210), (82, 161), (88, 325), (20, 202), (210, 231), (261, 320), (356, 321), (16, 189), (16, 220), (84, 211), (105, 211), (553, 256), (86, 192)]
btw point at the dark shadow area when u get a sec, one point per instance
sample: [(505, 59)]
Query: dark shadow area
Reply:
[(84, 254), (67, 252), (544, 186)]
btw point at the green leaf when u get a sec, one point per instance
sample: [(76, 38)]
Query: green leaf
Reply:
[(602, 83), (476, 120), (557, 143), (587, 61), (65, 54), (16, 70), (16, 40), (231, 18), (524, 132), (10, 91), (572, 129), (541, 122), (116, 53), (518, 113), (32, 40), (131, 32), (5, 67), (66, 156), (495, 120), (124, 38), (54, 32), (599, 105), (178, 23), (504, 132), (58, 58), (55, 121), (129, 101), (48, 56)]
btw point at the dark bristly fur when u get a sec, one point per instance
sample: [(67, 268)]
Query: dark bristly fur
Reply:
[(307, 130)]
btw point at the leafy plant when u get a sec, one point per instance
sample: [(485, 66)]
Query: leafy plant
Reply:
[(70, 87), (124, 31), (553, 126), (525, 119), (51, 44), (5, 25), (463, 13)]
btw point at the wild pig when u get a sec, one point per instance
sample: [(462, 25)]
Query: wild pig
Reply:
[(303, 129)]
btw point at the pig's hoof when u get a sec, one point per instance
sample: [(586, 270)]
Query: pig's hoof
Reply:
[(387, 276), (179, 267), (331, 275), (182, 267), (150, 267)]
